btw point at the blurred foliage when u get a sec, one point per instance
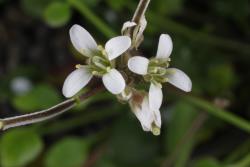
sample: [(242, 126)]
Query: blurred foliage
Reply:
[(180, 123), (211, 44), (40, 97), (68, 152), (207, 162), (20, 147), (168, 6), (57, 14), (34, 8)]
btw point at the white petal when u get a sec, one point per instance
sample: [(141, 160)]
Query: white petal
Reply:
[(76, 81), (155, 97), (179, 79), (165, 46), (157, 118), (144, 118), (117, 46), (114, 81), (138, 65), (145, 115), (138, 34), (82, 40), (127, 25)]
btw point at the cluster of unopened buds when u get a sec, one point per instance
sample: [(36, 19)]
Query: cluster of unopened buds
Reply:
[(101, 62)]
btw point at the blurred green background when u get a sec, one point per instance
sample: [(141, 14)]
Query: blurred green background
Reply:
[(209, 128)]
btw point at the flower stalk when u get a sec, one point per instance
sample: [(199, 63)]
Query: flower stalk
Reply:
[(140, 11), (47, 114)]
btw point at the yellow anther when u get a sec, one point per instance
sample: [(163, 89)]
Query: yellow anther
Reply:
[(156, 130), (108, 69), (94, 72), (1, 125), (78, 66), (104, 52), (99, 47)]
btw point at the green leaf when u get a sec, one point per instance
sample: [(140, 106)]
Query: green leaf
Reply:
[(68, 152), (57, 14), (40, 97), (19, 147)]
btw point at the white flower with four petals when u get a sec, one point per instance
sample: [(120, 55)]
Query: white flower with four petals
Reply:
[(100, 62), (156, 72), (150, 119)]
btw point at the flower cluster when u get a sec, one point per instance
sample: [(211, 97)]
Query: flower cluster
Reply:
[(101, 63)]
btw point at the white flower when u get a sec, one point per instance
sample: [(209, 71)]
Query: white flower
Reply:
[(99, 62), (157, 72), (150, 119)]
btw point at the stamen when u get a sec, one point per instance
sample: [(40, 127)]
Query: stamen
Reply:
[(1, 125), (108, 69), (153, 70), (99, 47), (94, 72), (155, 130), (78, 66), (104, 53)]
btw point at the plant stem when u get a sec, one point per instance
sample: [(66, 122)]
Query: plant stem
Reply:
[(86, 12), (140, 11), (220, 113), (43, 115)]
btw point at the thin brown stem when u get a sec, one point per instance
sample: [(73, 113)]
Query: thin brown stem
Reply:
[(43, 115), (138, 15), (140, 11)]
